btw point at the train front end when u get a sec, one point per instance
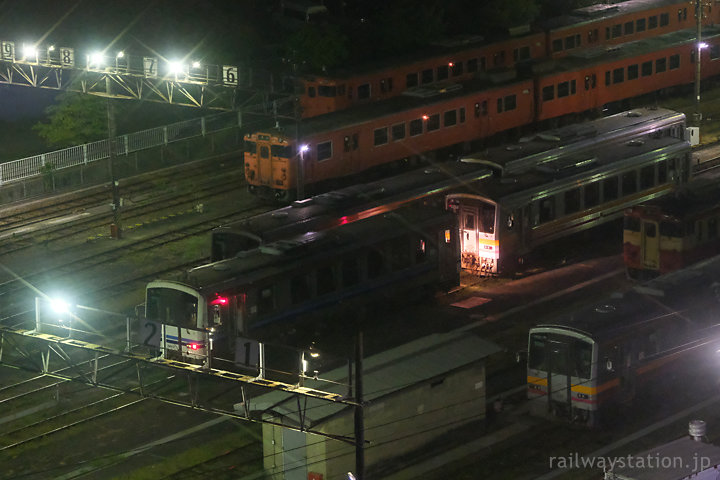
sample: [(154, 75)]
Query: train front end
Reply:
[(562, 375), (479, 243), (269, 168), (183, 324)]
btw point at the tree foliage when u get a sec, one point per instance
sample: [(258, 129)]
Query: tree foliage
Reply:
[(318, 47), (75, 119)]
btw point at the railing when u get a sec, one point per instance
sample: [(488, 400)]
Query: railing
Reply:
[(92, 152)]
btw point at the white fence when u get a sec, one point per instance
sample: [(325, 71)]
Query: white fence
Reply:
[(91, 152)]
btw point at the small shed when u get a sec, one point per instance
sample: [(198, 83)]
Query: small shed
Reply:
[(412, 394)]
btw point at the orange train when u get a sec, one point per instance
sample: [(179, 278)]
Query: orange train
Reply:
[(435, 123)]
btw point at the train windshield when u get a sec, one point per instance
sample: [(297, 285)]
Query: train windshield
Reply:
[(486, 218), (632, 223), (281, 151), (172, 307), (561, 354)]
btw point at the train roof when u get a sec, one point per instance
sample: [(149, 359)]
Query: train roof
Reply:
[(691, 294), (602, 11), (310, 247), (549, 145), (603, 54), (694, 200)]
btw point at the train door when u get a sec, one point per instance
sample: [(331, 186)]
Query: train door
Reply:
[(468, 236), (264, 148), (650, 244), (559, 381)]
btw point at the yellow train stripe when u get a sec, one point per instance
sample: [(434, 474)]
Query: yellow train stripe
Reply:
[(578, 388)]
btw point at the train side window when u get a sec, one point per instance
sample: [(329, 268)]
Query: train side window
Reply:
[(629, 28), (499, 58), (324, 151), (607, 78), (672, 229), (610, 188), (398, 131), (300, 290), (380, 136), (416, 127), (548, 93), (355, 141), (571, 42), (664, 19), (629, 182), (266, 302), (573, 87), (400, 255), (450, 118), (426, 76), (311, 92), (712, 228), (375, 263), (618, 75), (592, 194), (327, 90), (699, 230), (633, 72), (640, 25), (652, 22), (433, 122), (674, 61), (572, 201), (714, 52), (442, 72), (617, 30), (363, 91), (350, 272), (647, 177), (547, 209), (522, 53), (411, 80), (482, 64), (660, 65), (472, 65), (457, 69), (325, 277), (250, 147), (646, 68), (264, 152), (563, 89)]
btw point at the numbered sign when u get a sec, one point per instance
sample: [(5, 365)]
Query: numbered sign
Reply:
[(230, 75), (150, 333), (67, 57), (247, 353), (150, 67), (8, 51)]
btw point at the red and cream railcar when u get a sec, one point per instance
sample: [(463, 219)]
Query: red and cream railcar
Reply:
[(674, 232), (595, 78), (347, 143), (606, 24), (321, 94)]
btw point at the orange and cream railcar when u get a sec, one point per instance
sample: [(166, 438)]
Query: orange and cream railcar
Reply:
[(673, 232), (602, 355)]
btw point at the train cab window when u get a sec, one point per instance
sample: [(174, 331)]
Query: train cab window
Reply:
[(592, 194), (506, 103), (324, 151), (173, 307), (617, 30), (398, 131), (426, 76), (300, 288), (660, 65), (629, 182), (640, 25), (457, 69), (284, 151), (631, 223), (546, 212), (325, 277), (416, 127), (411, 80), (472, 65), (450, 118), (618, 75), (523, 53), (674, 61), (548, 93), (629, 28), (647, 177), (652, 22), (650, 230), (380, 136), (572, 201), (350, 271), (264, 151), (563, 89), (266, 300), (469, 222), (311, 92), (610, 189), (363, 91), (327, 90), (664, 19), (672, 229), (536, 351), (486, 219), (250, 147), (375, 263), (442, 72), (433, 122), (633, 71), (646, 68)]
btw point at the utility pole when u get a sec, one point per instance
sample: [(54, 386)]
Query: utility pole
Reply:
[(698, 56), (359, 417), (115, 228)]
